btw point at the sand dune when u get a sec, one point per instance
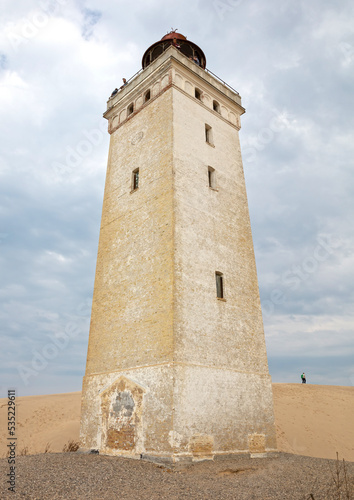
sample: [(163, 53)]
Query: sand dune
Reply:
[(315, 420), (311, 420), (53, 419)]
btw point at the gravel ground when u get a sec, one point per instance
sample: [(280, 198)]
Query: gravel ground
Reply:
[(76, 476)]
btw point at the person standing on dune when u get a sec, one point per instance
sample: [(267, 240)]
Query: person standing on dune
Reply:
[(303, 378)]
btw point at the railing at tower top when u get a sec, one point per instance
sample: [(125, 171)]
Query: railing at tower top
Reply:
[(222, 81), (132, 77), (206, 70)]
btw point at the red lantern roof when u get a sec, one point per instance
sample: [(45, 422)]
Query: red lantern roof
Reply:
[(189, 49), (172, 35)]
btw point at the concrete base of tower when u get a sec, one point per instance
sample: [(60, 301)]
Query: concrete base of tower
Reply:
[(177, 413), (185, 460), (189, 459)]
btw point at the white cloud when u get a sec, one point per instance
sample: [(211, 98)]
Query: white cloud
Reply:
[(291, 63)]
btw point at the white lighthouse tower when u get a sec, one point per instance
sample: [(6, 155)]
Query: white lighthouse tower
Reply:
[(177, 365)]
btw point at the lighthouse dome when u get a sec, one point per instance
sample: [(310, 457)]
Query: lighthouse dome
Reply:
[(188, 48)]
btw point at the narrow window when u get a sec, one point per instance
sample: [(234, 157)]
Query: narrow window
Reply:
[(216, 106), (212, 177), (135, 179), (198, 94), (219, 285), (208, 134), (147, 96), (130, 109)]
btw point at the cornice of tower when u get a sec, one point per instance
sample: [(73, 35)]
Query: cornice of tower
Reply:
[(172, 68)]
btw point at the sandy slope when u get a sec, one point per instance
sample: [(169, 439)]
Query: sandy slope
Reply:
[(53, 419), (315, 420), (311, 420)]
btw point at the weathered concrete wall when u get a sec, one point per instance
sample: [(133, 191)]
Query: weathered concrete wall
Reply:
[(176, 410), (213, 233), (145, 424), (172, 371), (223, 388), (132, 311), (222, 406)]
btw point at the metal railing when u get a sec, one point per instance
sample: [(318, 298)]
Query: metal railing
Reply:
[(222, 81)]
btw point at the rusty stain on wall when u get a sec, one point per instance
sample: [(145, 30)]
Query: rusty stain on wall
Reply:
[(121, 414), (257, 443), (201, 446)]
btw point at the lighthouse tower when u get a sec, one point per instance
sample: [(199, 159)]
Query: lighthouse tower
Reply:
[(176, 365)]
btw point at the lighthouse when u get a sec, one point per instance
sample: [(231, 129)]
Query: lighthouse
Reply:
[(176, 365)]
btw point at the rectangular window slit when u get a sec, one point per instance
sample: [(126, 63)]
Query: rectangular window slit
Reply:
[(208, 134), (135, 179), (219, 285), (212, 177)]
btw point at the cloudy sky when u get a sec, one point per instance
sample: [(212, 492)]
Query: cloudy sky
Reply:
[(293, 64)]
